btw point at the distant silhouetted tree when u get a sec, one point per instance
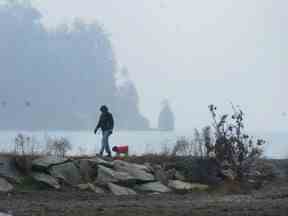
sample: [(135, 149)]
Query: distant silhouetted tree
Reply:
[(66, 73)]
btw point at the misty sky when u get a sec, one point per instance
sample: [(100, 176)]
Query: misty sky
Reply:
[(195, 53)]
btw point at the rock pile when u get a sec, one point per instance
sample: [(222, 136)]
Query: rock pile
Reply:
[(96, 174)]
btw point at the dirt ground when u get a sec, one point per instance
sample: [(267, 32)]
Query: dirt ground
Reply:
[(271, 200)]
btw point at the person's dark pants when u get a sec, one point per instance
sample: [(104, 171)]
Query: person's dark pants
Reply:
[(105, 142)]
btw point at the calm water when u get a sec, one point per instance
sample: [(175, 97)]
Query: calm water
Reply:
[(85, 142)]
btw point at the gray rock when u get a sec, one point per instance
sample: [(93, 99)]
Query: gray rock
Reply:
[(44, 163), (160, 174), (153, 187), (91, 187), (98, 161), (8, 169), (155, 194), (139, 172), (107, 175), (119, 190), (67, 172), (4, 214), (179, 176), (149, 167), (5, 186), (180, 185), (146, 167), (87, 169), (47, 179)]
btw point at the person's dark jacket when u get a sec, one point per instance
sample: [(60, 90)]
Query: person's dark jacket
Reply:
[(106, 121)]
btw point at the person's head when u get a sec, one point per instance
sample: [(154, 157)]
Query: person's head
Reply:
[(104, 108)]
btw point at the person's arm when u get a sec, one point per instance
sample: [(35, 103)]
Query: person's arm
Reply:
[(99, 124), (112, 122)]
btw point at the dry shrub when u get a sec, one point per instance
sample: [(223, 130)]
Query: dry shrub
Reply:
[(221, 152), (184, 147), (58, 147), (26, 145), (26, 148), (199, 145), (235, 151)]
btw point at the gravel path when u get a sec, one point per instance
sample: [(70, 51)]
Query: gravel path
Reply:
[(268, 202)]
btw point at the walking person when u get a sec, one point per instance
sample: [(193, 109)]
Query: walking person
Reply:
[(106, 124)]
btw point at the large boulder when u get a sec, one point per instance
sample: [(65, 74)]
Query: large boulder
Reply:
[(139, 172), (154, 187), (5, 186), (179, 176), (106, 175), (8, 169), (46, 179), (180, 185), (87, 169), (98, 161), (90, 187), (160, 174), (119, 190), (45, 163), (146, 167), (4, 214), (67, 172)]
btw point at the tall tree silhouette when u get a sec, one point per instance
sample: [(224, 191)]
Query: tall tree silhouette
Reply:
[(65, 73)]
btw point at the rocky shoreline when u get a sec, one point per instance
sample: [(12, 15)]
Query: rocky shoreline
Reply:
[(45, 186), (95, 174)]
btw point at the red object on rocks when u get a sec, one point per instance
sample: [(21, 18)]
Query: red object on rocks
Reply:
[(121, 152), (121, 149)]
